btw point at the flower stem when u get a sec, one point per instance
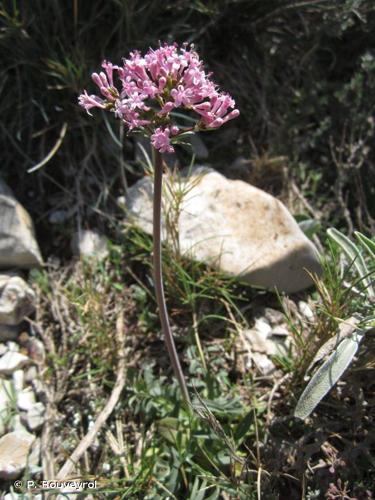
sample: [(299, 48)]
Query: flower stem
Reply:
[(158, 278)]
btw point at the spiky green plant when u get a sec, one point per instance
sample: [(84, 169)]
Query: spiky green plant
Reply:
[(342, 349)]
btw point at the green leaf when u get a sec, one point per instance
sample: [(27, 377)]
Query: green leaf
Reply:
[(353, 253), (368, 244), (244, 426), (327, 375), (167, 427), (309, 227)]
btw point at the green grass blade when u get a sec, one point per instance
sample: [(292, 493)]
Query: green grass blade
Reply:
[(368, 244), (327, 375), (353, 253)]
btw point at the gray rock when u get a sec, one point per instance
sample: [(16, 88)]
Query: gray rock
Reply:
[(36, 350), (263, 363), (14, 450), (12, 361), (18, 246), (17, 300), (235, 227), (8, 332), (90, 244), (35, 416), (263, 341), (273, 316)]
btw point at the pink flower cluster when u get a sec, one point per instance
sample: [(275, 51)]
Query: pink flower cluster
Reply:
[(153, 85)]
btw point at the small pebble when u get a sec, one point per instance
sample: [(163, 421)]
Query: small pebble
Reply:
[(36, 351), (14, 450), (18, 380), (262, 326), (12, 361), (305, 309), (26, 399), (35, 416), (31, 374)]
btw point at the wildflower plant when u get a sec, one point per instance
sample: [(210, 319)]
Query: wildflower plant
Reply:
[(144, 92)]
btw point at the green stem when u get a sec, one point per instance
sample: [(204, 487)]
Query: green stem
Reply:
[(158, 278), (198, 341)]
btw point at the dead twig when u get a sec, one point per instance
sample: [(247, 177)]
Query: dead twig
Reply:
[(276, 386)]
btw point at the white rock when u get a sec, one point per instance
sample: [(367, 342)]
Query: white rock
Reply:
[(3, 349), (38, 387), (13, 346), (236, 227), (18, 246), (280, 331), (35, 416), (12, 361), (90, 244), (263, 363), (305, 310), (17, 300), (261, 342), (31, 374), (26, 399), (14, 450), (18, 380), (262, 327)]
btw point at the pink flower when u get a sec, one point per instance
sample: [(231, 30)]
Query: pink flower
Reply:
[(160, 140), (90, 101), (215, 112), (150, 87)]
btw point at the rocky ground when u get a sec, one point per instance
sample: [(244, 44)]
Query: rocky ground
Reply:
[(209, 219)]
